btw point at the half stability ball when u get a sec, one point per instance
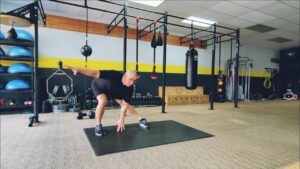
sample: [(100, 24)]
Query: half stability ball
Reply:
[(17, 84), (19, 51), (19, 68), (191, 68), (24, 35)]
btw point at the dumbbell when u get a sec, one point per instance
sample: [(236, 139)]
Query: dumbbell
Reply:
[(80, 115)]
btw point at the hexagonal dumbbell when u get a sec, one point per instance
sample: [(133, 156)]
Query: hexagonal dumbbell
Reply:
[(90, 114)]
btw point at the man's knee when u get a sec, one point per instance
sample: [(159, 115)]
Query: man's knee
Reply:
[(102, 100)]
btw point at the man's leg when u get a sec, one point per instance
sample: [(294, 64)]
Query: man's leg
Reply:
[(99, 86), (102, 100)]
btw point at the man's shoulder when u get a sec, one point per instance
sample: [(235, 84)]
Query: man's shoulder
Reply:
[(112, 71)]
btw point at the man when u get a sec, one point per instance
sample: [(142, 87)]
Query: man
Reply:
[(112, 84)]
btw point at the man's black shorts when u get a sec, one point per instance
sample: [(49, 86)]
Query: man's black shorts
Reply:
[(101, 86)]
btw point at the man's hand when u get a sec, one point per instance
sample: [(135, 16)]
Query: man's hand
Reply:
[(74, 69), (121, 126)]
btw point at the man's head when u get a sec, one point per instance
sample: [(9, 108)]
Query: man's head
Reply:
[(130, 77)]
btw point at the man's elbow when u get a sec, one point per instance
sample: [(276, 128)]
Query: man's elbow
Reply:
[(96, 74)]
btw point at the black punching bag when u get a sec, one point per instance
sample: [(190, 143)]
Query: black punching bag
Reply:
[(191, 68)]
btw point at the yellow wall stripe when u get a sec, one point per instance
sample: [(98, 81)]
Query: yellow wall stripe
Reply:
[(50, 62)]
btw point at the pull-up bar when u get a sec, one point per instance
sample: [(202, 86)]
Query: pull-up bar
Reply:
[(152, 23), (228, 34), (178, 17), (142, 35), (114, 20), (110, 2), (97, 9)]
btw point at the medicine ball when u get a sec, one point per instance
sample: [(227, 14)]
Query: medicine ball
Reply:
[(86, 50), (2, 69), (2, 36), (17, 84), (2, 53), (19, 51), (24, 35), (19, 68)]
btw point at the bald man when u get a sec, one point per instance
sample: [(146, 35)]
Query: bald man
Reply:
[(115, 85)]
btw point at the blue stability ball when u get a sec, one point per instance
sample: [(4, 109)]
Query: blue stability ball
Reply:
[(2, 53), (19, 68), (17, 85), (2, 69), (2, 36), (24, 35), (19, 51)]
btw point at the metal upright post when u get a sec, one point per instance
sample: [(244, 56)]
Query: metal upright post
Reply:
[(237, 69), (35, 69), (164, 62), (213, 82), (125, 37)]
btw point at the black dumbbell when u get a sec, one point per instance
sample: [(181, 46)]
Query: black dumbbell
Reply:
[(80, 115)]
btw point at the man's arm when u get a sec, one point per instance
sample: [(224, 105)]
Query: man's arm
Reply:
[(130, 110), (85, 71), (124, 108)]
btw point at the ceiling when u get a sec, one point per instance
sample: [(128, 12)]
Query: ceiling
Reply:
[(281, 15)]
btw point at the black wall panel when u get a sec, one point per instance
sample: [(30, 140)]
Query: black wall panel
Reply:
[(289, 69)]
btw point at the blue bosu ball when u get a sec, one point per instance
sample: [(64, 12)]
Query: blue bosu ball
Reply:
[(24, 35), (19, 51), (19, 68), (17, 84)]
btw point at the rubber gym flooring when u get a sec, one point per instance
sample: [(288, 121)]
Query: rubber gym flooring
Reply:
[(258, 135)]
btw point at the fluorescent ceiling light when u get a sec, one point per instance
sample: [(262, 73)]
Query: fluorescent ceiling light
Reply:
[(198, 21), (149, 3)]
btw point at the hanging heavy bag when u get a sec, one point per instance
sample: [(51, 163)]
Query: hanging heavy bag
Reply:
[(159, 41), (153, 41), (191, 68)]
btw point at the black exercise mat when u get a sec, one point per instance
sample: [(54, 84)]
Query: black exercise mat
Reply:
[(134, 137)]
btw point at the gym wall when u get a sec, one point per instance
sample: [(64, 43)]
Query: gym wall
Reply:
[(63, 38)]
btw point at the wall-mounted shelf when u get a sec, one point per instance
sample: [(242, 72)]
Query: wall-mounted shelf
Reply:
[(16, 43), (16, 91), (16, 58), (16, 74)]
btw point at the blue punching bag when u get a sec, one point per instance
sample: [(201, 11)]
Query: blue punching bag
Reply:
[(191, 68)]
